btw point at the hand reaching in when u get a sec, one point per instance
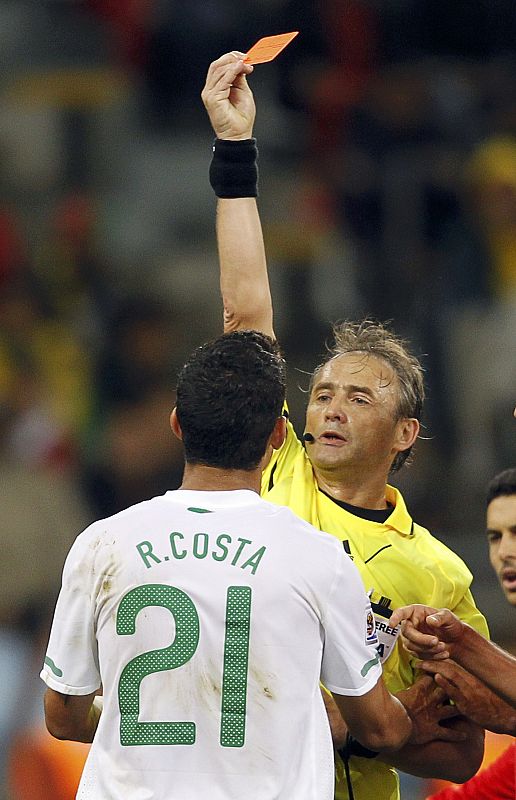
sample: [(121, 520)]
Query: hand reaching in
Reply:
[(472, 697), (427, 632), (428, 707)]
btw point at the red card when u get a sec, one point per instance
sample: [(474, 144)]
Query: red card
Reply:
[(267, 49)]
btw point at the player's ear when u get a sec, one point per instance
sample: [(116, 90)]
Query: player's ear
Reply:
[(406, 434), (279, 433), (174, 424)]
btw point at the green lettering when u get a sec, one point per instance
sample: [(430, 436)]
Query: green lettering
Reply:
[(222, 546), (204, 550), (175, 553), (146, 554), (243, 542), (254, 560)]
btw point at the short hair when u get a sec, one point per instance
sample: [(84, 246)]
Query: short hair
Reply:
[(229, 395), (502, 484), (377, 339)]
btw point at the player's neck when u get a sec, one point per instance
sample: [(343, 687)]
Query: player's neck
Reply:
[(213, 479), (355, 489)]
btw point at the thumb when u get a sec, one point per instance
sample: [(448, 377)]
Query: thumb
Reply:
[(438, 619)]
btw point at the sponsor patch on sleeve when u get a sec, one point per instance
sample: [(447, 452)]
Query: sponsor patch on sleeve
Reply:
[(371, 637)]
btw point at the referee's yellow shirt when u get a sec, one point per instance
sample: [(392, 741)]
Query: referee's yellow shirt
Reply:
[(400, 563)]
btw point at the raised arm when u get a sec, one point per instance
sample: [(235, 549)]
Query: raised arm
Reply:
[(243, 268)]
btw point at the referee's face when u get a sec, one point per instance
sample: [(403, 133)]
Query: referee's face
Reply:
[(352, 415), (501, 537)]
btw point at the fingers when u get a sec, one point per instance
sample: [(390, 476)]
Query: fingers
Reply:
[(397, 616), (429, 666), (438, 694), (447, 625), (440, 618), (424, 681), (225, 70), (416, 613), (423, 693), (451, 689), (452, 734), (420, 643), (455, 682), (417, 625), (437, 654), (227, 97), (457, 685), (448, 669), (427, 684), (448, 712)]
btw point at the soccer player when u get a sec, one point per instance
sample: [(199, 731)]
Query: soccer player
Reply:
[(209, 615), (361, 423)]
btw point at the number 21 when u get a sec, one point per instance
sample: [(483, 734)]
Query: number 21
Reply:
[(181, 650)]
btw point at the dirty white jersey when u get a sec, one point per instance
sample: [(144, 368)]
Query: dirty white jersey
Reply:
[(209, 619)]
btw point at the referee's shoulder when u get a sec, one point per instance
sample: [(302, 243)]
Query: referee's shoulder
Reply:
[(431, 544)]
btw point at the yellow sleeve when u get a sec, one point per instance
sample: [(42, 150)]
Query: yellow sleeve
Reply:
[(468, 612)]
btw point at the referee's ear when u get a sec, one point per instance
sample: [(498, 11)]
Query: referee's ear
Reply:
[(407, 431), (174, 424)]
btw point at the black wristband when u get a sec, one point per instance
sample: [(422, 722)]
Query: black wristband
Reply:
[(354, 748), (233, 168)]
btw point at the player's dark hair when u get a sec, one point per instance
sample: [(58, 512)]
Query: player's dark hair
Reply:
[(376, 339), (229, 395), (502, 484)]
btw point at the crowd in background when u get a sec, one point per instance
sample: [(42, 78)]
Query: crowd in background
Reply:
[(387, 134)]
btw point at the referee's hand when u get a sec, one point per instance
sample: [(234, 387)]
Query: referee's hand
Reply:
[(228, 99)]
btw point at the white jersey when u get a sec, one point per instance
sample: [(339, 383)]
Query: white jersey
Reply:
[(209, 619)]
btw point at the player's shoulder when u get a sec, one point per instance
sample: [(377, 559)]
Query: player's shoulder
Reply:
[(106, 526), (293, 524)]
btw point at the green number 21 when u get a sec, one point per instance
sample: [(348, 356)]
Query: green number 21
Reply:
[(181, 650)]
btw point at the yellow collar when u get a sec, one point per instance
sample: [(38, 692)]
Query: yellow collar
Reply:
[(399, 519)]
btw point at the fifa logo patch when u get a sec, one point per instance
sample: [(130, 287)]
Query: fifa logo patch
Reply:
[(371, 637)]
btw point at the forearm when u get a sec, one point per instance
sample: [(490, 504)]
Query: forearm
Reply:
[(338, 727), (72, 717), (86, 732), (377, 719), (243, 268), (487, 661), (451, 761)]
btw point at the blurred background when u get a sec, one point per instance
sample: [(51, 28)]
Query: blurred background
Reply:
[(387, 136)]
